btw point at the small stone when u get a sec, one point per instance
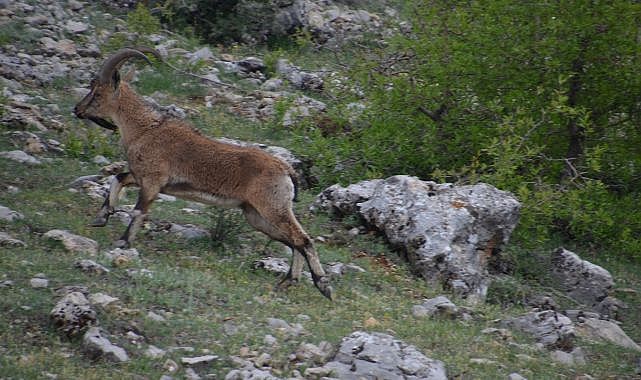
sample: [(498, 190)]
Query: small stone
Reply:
[(91, 267), (198, 360), (562, 357), (21, 157), (190, 374), (73, 243), (515, 376), (170, 366), (99, 346), (155, 317), (39, 282), (270, 340), (9, 215), (102, 299), (154, 352), (7, 241), (371, 322), (76, 27), (262, 360)]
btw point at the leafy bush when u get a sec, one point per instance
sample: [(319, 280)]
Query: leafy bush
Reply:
[(512, 94)]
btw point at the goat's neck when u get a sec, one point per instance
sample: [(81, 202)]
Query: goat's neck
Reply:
[(134, 116)]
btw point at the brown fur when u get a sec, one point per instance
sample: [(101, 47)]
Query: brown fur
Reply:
[(167, 155)]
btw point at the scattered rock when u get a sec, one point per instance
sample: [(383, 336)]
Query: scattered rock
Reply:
[(308, 352), (121, 257), (7, 241), (21, 157), (170, 366), (189, 231), (74, 243), (339, 269), (609, 331), (283, 327), (38, 282), (97, 345), (576, 357), (155, 317), (154, 352), (581, 280), (91, 266), (551, 329), (102, 299), (448, 233), (380, 356), (73, 313), (198, 361), (440, 306), (515, 376)]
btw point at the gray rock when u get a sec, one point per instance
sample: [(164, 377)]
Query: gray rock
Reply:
[(251, 64), (581, 280), (7, 241), (362, 355), (281, 326), (119, 256), (448, 232), (38, 282), (91, 266), (21, 157), (439, 306), (74, 243), (309, 352), (154, 352), (101, 299), (202, 54), (551, 329), (189, 231), (73, 313), (515, 376), (605, 330), (340, 269), (273, 84), (76, 27), (198, 360), (97, 345), (576, 357)]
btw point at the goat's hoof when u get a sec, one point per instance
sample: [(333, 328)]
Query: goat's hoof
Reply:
[(123, 244), (325, 288), (99, 222)]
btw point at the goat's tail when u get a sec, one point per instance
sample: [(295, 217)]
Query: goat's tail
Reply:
[(294, 177)]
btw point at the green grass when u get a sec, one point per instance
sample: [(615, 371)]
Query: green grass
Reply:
[(204, 286)]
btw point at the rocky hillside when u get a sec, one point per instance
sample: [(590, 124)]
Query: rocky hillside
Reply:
[(425, 286)]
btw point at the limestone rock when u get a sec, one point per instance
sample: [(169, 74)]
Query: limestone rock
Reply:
[(21, 157), (548, 327), (73, 243), (73, 313), (609, 331), (448, 233), (97, 345), (439, 306), (7, 241), (581, 280), (363, 355), (91, 266)]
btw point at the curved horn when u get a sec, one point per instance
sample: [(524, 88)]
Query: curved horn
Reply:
[(146, 49), (116, 60)]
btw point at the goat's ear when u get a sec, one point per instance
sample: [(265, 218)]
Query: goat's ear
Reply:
[(129, 76), (115, 79)]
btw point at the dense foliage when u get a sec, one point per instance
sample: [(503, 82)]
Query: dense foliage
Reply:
[(539, 98)]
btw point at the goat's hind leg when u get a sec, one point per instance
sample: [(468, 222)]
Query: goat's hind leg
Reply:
[(120, 180), (146, 196)]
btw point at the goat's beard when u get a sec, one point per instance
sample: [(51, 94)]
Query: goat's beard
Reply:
[(103, 123)]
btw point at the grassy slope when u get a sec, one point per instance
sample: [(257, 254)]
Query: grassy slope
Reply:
[(206, 284)]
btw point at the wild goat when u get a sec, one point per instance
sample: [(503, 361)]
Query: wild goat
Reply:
[(168, 155)]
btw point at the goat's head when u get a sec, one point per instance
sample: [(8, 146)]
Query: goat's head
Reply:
[(102, 97)]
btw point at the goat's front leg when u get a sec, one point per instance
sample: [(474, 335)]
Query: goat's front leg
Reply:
[(120, 180), (146, 197)]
